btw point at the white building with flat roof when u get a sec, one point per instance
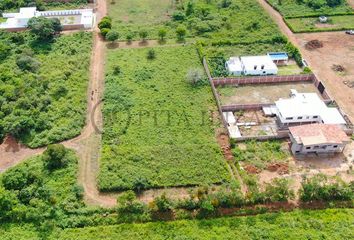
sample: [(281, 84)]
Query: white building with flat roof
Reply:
[(306, 108), (258, 65), (251, 65), (77, 17)]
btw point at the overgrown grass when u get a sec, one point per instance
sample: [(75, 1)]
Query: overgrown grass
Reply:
[(327, 224), (260, 154), (313, 24), (294, 8), (242, 21), (168, 141), (46, 102)]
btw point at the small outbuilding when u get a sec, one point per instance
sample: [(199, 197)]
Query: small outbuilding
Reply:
[(323, 19), (279, 58), (317, 138)]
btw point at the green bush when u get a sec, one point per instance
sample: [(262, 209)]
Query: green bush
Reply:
[(54, 156)]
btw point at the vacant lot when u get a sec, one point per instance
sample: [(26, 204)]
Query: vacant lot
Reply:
[(313, 24), (43, 87), (130, 16), (261, 93), (295, 8), (165, 141), (261, 154), (208, 20)]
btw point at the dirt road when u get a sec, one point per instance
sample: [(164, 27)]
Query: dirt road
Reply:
[(338, 48)]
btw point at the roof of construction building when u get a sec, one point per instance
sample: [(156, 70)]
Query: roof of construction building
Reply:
[(314, 134), (308, 104)]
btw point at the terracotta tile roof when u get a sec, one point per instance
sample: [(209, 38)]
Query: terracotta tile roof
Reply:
[(311, 134)]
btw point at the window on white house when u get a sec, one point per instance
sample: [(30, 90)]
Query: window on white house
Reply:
[(335, 146), (308, 147), (255, 67), (315, 116), (289, 118), (299, 117)]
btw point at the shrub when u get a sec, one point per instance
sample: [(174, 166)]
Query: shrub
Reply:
[(319, 187), (278, 191), (143, 34), (18, 178), (181, 32), (27, 63), (195, 76), (112, 36), (162, 34), (162, 203), (130, 37), (151, 54), (104, 31), (178, 16), (54, 156), (106, 22)]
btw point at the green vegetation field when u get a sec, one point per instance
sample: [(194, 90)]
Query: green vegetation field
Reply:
[(43, 87), (169, 140), (312, 24), (324, 224), (217, 20), (299, 8)]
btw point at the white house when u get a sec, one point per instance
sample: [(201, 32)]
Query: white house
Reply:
[(317, 138), (305, 108), (234, 66), (251, 65), (79, 17), (258, 65)]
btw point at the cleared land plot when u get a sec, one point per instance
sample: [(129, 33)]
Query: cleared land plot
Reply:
[(261, 93), (338, 48), (151, 151), (290, 69), (313, 24), (294, 8)]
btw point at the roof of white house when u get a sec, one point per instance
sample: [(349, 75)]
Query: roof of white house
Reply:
[(313, 134), (308, 104), (234, 64), (20, 19), (249, 62)]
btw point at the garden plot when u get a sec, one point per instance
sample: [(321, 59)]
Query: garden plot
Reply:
[(261, 93), (147, 151)]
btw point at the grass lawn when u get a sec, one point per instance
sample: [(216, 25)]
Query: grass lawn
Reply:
[(313, 24), (260, 154), (165, 142), (306, 224), (289, 69), (292, 8)]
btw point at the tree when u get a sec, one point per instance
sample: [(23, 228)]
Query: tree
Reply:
[(54, 156), (104, 31), (190, 8), (27, 63), (5, 50), (194, 76), (112, 36), (151, 54), (181, 32), (143, 34), (130, 37), (278, 190), (178, 16), (162, 34), (106, 22), (44, 28)]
